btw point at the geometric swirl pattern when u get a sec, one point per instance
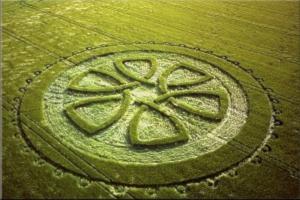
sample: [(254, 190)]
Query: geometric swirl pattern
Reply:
[(124, 87)]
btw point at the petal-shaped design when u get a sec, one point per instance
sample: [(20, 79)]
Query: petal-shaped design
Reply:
[(120, 65), (163, 79), (89, 126), (181, 135), (74, 83), (223, 102)]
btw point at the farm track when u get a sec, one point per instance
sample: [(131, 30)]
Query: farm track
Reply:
[(55, 55), (122, 40), (157, 22)]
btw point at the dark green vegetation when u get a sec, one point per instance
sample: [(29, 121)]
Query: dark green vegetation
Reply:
[(94, 127), (214, 116), (120, 64), (133, 130), (163, 85), (182, 99)]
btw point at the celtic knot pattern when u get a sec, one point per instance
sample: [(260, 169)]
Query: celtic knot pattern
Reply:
[(125, 81), (122, 111)]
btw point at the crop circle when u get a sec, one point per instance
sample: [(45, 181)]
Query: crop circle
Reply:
[(139, 114)]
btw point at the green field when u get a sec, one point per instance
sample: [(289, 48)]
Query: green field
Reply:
[(151, 99)]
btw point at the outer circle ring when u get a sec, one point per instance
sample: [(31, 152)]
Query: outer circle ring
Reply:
[(242, 146)]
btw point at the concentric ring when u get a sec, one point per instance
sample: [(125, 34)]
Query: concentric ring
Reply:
[(105, 168)]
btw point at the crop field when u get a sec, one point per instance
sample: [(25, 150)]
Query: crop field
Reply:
[(150, 99)]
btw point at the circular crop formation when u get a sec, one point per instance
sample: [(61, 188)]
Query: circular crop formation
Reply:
[(145, 114)]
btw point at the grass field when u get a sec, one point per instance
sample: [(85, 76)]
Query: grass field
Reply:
[(151, 99)]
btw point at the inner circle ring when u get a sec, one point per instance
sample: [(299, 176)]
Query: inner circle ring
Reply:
[(240, 147)]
